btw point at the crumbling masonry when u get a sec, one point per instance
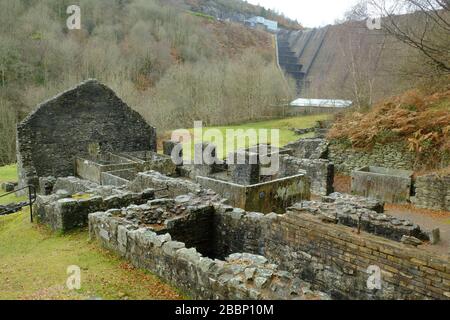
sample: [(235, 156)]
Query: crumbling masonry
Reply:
[(220, 231)]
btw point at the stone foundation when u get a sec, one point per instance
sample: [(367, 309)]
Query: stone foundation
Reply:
[(333, 258)]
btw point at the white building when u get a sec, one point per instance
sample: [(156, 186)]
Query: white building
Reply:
[(269, 24), (325, 103)]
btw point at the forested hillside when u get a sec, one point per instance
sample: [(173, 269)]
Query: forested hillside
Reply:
[(169, 63)]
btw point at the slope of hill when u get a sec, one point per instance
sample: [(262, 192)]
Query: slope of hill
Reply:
[(238, 10), (159, 56), (419, 120)]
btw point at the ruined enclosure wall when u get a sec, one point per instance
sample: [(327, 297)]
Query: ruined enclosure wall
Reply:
[(346, 159), (272, 196), (333, 257), (196, 230), (174, 187), (240, 276), (432, 192), (336, 260), (309, 148), (87, 116), (320, 172), (67, 214), (239, 231)]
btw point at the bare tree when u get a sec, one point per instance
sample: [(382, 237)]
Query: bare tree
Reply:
[(421, 24)]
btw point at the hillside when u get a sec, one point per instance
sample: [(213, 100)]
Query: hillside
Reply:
[(238, 10), (419, 120), (159, 56)]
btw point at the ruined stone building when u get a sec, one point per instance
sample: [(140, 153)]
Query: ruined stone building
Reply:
[(87, 119), (223, 231)]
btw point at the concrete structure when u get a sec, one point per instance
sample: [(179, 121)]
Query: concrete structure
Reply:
[(86, 120), (389, 185)]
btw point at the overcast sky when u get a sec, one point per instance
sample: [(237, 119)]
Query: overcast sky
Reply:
[(310, 13)]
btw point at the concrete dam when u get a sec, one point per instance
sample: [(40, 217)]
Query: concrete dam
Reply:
[(341, 61)]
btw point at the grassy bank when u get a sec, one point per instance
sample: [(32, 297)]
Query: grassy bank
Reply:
[(34, 261)]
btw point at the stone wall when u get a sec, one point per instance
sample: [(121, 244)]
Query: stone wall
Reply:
[(311, 148), (334, 258), (347, 159), (240, 276), (173, 186), (432, 192), (118, 178), (65, 214), (352, 215), (267, 197), (87, 117), (320, 172)]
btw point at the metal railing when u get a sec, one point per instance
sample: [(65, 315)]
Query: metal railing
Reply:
[(31, 198)]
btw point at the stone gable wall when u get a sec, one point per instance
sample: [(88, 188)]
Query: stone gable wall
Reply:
[(68, 125)]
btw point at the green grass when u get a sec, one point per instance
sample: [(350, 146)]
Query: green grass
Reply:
[(284, 125), (9, 173), (34, 263)]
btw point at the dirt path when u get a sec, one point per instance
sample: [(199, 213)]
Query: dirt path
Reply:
[(428, 220)]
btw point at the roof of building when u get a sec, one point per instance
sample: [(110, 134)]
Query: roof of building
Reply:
[(330, 103)]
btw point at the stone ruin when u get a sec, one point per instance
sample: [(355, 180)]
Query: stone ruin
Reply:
[(87, 120), (222, 231)]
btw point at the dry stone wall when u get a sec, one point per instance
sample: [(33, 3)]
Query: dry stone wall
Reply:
[(346, 159), (432, 192), (64, 213)]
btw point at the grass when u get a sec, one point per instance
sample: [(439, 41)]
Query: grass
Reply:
[(34, 263), (9, 173), (283, 125)]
